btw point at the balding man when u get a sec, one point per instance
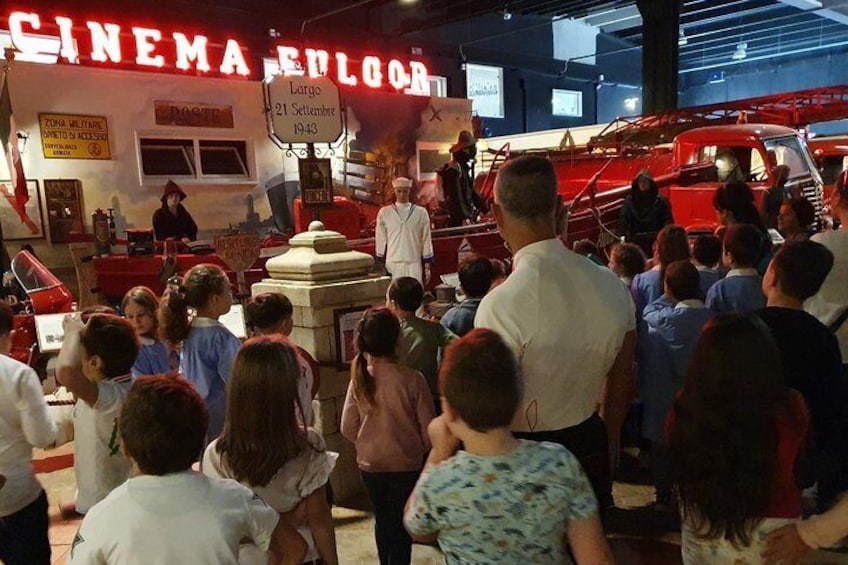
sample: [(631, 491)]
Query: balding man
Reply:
[(403, 235), (571, 324)]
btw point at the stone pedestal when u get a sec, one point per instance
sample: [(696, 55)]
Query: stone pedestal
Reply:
[(320, 275)]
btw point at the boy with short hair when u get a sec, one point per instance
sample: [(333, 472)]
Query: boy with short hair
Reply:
[(167, 513), (24, 423), (706, 254), (741, 290), (515, 501), (475, 276), (420, 340), (95, 364), (665, 349), (811, 358)]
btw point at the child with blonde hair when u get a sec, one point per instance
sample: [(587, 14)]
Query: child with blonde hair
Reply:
[(139, 307)]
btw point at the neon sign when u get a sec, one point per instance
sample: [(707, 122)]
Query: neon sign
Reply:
[(152, 50)]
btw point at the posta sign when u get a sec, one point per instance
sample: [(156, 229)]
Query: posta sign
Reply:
[(101, 42)]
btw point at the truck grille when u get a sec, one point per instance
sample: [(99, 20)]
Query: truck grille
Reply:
[(813, 193)]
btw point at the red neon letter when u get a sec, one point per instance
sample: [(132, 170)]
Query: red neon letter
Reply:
[(397, 75), (288, 59), (317, 62), (194, 51), (233, 60), (68, 50), (144, 46), (371, 74), (341, 65), (105, 43), (419, 83), (19, 41)]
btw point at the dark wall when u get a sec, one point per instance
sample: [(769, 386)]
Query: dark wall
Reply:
[(762, 78), (530, 74)]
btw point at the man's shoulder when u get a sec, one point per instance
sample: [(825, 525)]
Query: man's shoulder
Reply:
[(12, 369)]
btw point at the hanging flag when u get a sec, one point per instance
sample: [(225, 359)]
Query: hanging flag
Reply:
[(9, 139)]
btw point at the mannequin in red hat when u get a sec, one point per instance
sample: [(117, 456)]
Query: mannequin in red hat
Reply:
[(172, 219), (461, 201)]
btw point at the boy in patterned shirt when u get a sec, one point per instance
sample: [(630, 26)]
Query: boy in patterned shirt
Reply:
[(500, 499)]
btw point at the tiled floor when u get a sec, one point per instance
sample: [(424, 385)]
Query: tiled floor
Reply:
[(638, 535)]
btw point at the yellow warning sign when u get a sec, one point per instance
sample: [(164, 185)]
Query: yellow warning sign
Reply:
[(71, 136)]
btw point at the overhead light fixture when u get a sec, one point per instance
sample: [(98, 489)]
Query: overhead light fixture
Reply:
[(681, 39), (507, 15), (741, 51), (407, 2)]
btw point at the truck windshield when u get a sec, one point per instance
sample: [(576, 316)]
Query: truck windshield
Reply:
[(31, 274), (789, 151)]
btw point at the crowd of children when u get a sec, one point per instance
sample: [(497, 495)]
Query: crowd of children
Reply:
[(743, 395)]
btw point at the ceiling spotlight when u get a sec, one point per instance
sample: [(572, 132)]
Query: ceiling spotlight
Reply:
[(507, 15), (741, 51), (681, 39)]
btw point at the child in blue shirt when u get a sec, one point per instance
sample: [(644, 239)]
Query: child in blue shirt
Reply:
[(672, 244), (139, 307), (475, 276), (742, 289), (209, 348), (706, 254), (499, 499), (665, 349)]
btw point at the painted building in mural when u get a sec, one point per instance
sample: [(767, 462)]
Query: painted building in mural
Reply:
[(120, 129)]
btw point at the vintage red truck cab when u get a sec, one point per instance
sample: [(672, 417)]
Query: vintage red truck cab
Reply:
[(746, 152)]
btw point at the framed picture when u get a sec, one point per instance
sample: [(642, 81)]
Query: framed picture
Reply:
[(316, 181), (344, 323), (32, 227), (63, 199)]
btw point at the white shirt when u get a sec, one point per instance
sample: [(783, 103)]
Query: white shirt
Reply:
[(832, 298), (566, 320), (180, 518), (295, 480), (24, 423), (99, 465), (403, 234)]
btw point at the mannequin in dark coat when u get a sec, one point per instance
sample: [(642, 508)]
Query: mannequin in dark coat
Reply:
[(645, 213), (172, 219)]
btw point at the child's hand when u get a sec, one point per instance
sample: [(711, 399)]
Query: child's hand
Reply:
[(444, 442), (70, 355)]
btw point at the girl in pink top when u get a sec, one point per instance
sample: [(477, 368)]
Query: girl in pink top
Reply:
[(386, 413)]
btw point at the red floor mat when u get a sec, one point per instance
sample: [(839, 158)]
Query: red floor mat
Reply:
[(51, 464)]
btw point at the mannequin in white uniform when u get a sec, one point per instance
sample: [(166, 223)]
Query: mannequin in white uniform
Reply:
[(403, 235)]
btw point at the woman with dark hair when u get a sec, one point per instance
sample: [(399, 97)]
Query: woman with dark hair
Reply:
[(734, 434), (386, 414), (644, 213), (734, 204)]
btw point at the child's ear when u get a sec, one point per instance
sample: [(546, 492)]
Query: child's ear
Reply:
[(95, 364)]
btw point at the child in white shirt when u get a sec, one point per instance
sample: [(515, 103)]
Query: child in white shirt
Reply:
[(167, 513), (24, 424), (94, 364)]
